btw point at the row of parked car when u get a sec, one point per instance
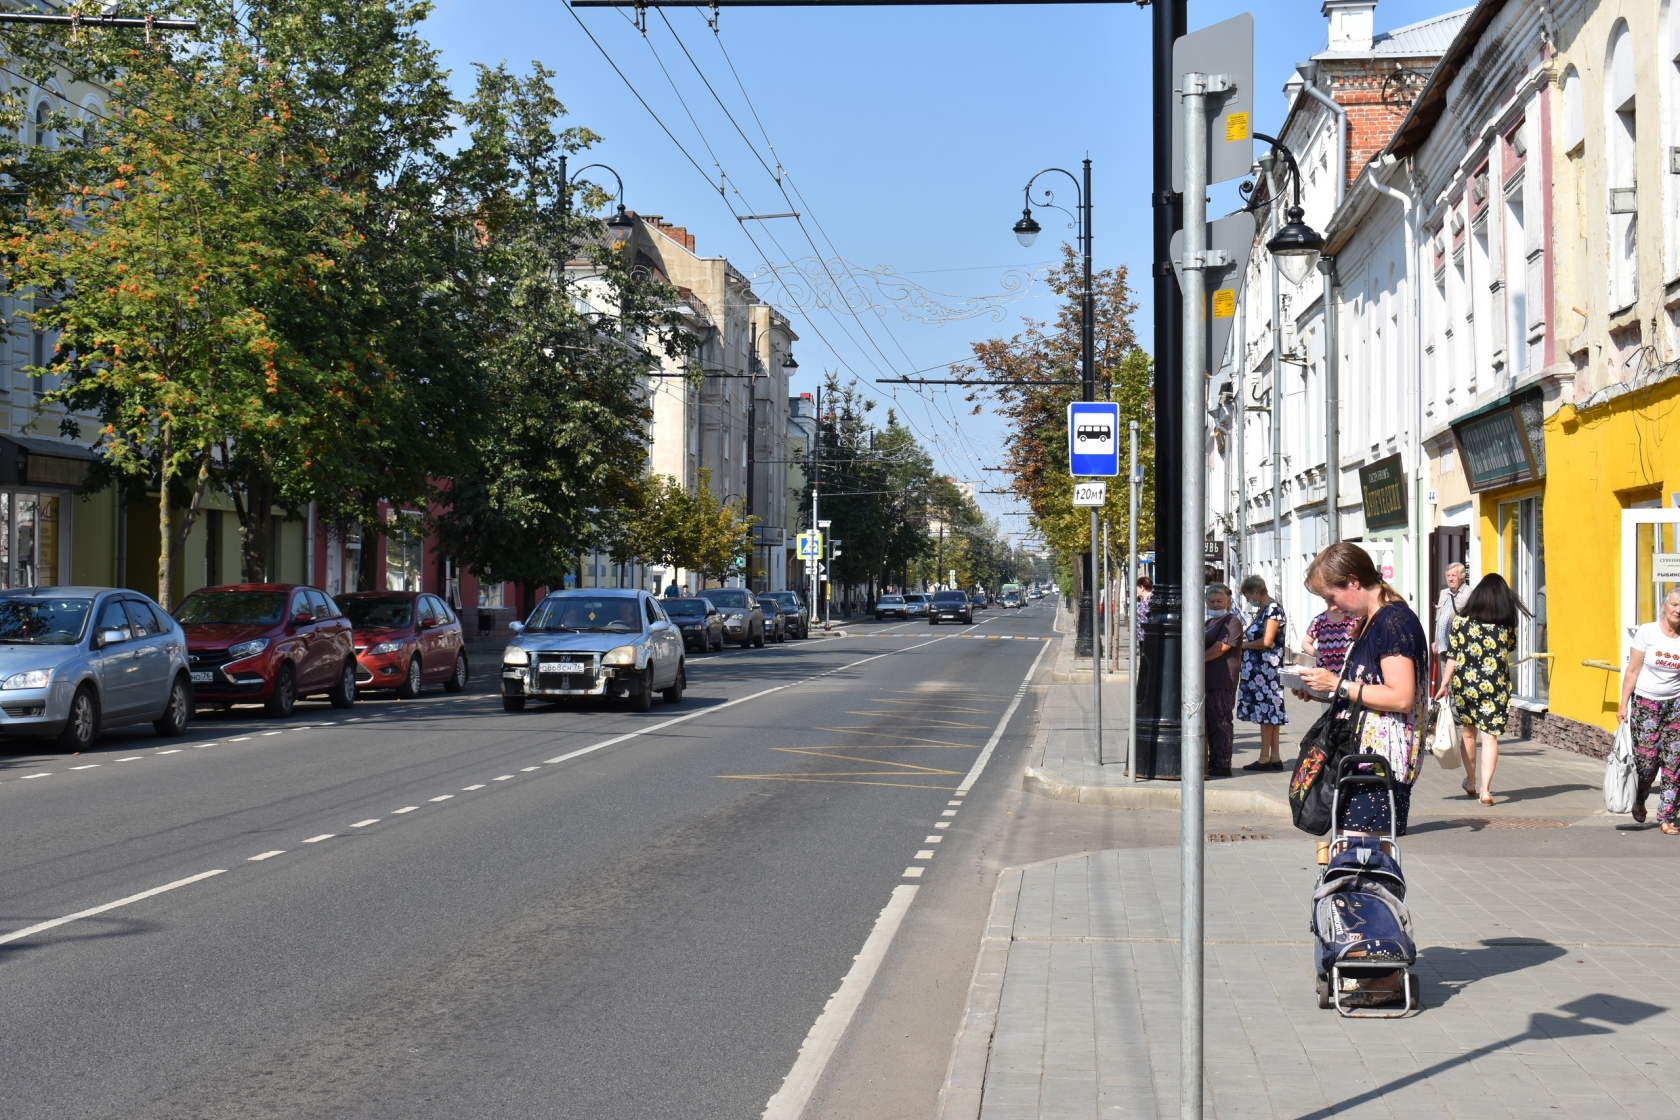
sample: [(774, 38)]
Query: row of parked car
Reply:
[(75, 660), (936, 607)]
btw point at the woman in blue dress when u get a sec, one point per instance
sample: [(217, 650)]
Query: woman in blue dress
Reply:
[(1259, 691)]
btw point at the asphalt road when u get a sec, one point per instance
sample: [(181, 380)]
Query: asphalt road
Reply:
[(436, 908)]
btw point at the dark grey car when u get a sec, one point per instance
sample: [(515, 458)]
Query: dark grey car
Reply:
[(700, 622), (776, 622), (743, 618)]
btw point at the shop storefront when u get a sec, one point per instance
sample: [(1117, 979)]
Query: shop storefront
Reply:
[(38, 478)]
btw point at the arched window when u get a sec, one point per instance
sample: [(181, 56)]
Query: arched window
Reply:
[(1621, 126), (1574, 116), (41, 136)]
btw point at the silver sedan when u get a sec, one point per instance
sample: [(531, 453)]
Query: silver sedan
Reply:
[(595, 643), (75, 660)]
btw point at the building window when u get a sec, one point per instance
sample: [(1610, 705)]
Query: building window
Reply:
[(1621, 125), (1516, 280), (1522, 561), (491, 594), (405, 552), (40, 135), (29, 539)]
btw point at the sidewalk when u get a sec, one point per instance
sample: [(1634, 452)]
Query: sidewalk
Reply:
[(1550, 967)]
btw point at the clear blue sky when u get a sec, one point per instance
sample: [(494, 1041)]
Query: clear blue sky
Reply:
[(908, 133)]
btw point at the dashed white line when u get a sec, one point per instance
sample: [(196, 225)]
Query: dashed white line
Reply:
[(364, 824), (925, 853), (503, 778), (318, 839), (948, 813), (266, 734), (528, 769), (445, 797), (942, 824), (241, 739), (89, 766), (932, 839), (268, 855), (464, 789), (88, 913), (953, 802), (26, 777), (913, 872), (172, 750), (404, 809), (132, 758)]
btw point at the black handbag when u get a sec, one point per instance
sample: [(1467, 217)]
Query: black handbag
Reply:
[(1326, 743)]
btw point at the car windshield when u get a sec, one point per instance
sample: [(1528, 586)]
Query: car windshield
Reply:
[(616, 614), (237, 608), (730, 597), (891, 600), (787, 599), (42, 621), (684, 608), (391, 614), (951, 597), (768, 603), (916, 598)]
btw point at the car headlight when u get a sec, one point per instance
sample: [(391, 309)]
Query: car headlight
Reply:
[(514, 655), (247, 649), (34, 678), (623, 655), (389, 647)]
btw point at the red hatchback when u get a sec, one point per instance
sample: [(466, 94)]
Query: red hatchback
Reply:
[(267, 643), (406, 640)]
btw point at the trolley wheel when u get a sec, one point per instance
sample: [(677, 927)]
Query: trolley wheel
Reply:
[(1415, 987), (1325, 1003)]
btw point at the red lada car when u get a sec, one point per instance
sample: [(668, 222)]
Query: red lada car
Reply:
[(406, 640), (267, 643)]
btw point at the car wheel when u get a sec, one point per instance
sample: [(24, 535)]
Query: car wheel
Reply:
[(673, 695), (179, 712), (513, 703), (343, 693), (758, 642), (82, 728), (458, 680), (284, 697), (642, 701), (410, 687)]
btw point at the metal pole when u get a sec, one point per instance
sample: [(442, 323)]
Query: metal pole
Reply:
[(1086, 629), (1332, 406), (1096, 644), (1192, 683), (1134, 478), (1277, 392), (1239, 377)]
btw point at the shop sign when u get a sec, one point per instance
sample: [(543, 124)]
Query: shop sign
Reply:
[(1497, 448), (1382, 486)]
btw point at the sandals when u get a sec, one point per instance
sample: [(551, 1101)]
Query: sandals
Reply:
[(1669, 829), (1487, 799), (1638, 814), (1468, 788)]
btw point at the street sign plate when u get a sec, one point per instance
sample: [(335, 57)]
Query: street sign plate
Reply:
[(1225, 49), (1232, 235), (1094, 439), (1090, 493), (809, 546)]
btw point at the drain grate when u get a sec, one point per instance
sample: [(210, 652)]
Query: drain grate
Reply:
[(1478, 823), (1233, 837)]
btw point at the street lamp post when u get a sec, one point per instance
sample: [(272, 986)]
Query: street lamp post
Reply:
[(1026, 231), (620, 223)]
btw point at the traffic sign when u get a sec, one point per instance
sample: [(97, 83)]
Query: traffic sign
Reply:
[(1090, 493), (1224, 50), (1231, 240), (1094, 439), (810, 546)]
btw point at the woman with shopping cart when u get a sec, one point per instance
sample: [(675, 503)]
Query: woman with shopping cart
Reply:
[(1385, 680)]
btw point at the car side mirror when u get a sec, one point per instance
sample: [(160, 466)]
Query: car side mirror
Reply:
[(516, 627), (302, 618), (111, 637), (428, 624)]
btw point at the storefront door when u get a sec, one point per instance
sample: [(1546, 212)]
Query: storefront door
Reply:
[(1650, 567), (1522, 561), (31, 543)]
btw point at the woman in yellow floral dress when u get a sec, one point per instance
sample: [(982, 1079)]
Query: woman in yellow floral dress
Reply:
[(1480, 643)]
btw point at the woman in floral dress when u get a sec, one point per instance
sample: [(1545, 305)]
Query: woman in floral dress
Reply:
[(1259, 691), (1480, 643)]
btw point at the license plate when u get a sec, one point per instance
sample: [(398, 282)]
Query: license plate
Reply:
[(560, 667), (203, 678)]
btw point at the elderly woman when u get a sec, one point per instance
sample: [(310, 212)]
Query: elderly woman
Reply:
[(1222, 656), (1386, 673), (1260, 691), (1651, 699)]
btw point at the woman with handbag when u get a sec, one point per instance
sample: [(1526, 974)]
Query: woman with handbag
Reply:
[(1385, 678), (1260, 690), (1651, 699), (1480, 642)]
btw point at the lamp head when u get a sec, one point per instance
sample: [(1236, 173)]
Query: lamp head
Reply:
[(1296, 247), (788, 363), (1026, 230), (620, 225)]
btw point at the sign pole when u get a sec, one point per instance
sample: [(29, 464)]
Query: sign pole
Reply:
[(1192, 478), (1136, 478), (1097, 644)]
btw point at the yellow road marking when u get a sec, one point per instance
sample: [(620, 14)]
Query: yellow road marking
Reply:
[(865, 761)]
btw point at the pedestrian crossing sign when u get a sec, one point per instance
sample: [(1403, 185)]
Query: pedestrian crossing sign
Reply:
[(810, 546)]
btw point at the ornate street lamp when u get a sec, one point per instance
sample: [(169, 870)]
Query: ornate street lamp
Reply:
[(621, 223), (1296, 245)]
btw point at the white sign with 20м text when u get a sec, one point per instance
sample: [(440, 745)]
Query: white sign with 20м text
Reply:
[(1090, 493)]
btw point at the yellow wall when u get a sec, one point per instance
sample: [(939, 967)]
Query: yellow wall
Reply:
[(1596, 466)]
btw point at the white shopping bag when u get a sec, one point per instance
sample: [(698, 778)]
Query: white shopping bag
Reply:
[(1443, 737), (1621, 777)]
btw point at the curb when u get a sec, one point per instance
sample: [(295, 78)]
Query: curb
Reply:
[(971, 1051), (1151, 795)]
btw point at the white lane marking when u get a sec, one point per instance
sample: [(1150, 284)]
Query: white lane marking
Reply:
[(465, 789), (267, 855), (404, 809), (266, 734), (503, 778), (925, 853), (819, 1045), (172, 750), (132, 758), (942, 824), (318, 839), (327, 723), (89, 766), (729, 704), (241, 739), (1008, 713), (364, 824), (445, 797), (201, 746), (91, 911), (949, 813), (953, 802), (528, 769), (26, 777), (932, 839), (913, 872)]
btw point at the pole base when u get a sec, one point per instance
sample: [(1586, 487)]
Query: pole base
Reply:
[(1159, 738)]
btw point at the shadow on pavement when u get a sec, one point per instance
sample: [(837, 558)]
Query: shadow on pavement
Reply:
[(1455, 968)]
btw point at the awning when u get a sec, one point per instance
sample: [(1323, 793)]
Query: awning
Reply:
[(1502, 443), (35, 461)]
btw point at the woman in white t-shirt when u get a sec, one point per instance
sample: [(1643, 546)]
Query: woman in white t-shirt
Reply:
[(1651, 699)]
